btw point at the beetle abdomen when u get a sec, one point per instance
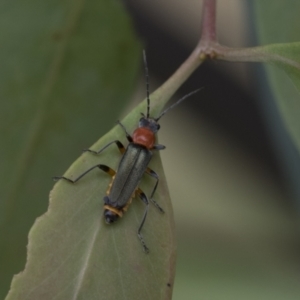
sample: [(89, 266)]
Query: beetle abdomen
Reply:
[(131, 169)]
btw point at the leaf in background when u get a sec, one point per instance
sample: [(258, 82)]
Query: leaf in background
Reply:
[(287, 57), (278, 22), (73, 254), (67, 70)]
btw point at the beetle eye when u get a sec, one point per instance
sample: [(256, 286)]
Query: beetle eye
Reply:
[(158, 126)]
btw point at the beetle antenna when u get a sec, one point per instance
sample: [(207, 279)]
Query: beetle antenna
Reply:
[(177, 102), (147, 83)]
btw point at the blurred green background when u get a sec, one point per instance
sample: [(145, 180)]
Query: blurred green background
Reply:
[(231, 166)]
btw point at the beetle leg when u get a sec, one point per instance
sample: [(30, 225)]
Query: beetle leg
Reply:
[(144, 198), (158, 147), (107, 170), (118, 143), (128, 136), (100, 166), (155, 175)]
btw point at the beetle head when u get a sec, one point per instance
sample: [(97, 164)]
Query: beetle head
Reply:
[(110, 216), (149, 123)]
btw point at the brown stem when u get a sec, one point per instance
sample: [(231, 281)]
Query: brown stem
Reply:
[(208, 38), (209, 21), (168, 89), (208, 47)]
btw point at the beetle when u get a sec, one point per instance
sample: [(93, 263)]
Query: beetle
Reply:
[(133, 165)]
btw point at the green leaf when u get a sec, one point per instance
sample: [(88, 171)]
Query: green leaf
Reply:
[(73, 254), (287, 90), (67, 70), (278, 23)]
